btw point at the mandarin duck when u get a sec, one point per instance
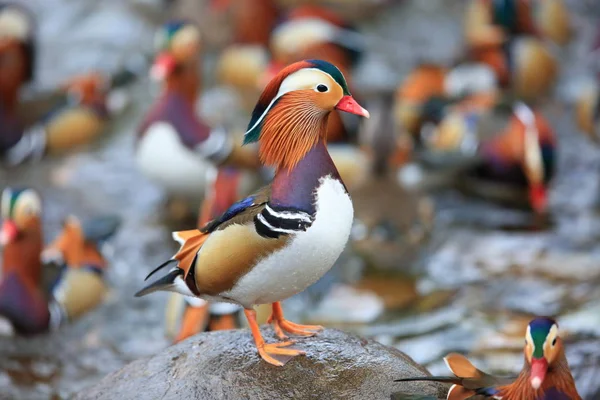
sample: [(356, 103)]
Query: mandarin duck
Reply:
[(545, 374), (507, 35), (277, 242), (25, 307), (430, 91), (174, 147), (519, 159), (76, 115)]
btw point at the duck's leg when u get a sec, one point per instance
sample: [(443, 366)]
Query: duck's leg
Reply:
[(282, 325), (194, 321), (270, 350)]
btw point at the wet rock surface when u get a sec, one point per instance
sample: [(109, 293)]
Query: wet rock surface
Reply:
[(225, 365)]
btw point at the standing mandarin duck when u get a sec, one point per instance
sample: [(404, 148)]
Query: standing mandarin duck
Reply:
[(24, 305), (175, 148), (277, 242), (76, 116), (507, 36), (545, 375)]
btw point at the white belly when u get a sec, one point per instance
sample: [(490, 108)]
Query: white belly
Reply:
[(165, 160), (307, 257)]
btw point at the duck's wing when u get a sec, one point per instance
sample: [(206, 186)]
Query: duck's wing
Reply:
[(248, 231)]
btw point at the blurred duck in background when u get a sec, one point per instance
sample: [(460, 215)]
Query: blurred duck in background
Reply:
[(509, 36), (515, 153), (25, 306), (73, 115), (522, 157), (175, 148)]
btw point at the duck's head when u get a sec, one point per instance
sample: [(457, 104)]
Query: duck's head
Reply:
[(21, 210), (543, 347), (177, 46), (292, 112), (17, 45)]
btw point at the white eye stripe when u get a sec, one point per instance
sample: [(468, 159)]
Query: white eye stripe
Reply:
[(529, 339), (552, 335)]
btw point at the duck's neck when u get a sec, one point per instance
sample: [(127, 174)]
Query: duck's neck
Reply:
[(187, 86), (9, 98), (295, 187), (22, 257), (558, 378)]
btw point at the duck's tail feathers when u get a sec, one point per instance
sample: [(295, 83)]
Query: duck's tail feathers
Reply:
[(191, 241), (166, 283), (460, 366)]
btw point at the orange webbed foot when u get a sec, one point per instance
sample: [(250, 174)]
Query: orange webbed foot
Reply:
[(297, 329), (281, 325), (273, 352)]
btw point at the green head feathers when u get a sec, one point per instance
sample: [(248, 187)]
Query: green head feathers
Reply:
[(539, 329)]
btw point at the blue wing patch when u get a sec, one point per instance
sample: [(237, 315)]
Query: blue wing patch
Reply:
[(231, 212), (491, 391)]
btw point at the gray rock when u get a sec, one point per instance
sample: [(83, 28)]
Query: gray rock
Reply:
[(225, 365)]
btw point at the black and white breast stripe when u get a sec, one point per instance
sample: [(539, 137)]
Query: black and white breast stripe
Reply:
[(272, 221)]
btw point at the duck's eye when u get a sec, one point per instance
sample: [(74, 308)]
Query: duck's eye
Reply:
[(554, 342), (322, 88)]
